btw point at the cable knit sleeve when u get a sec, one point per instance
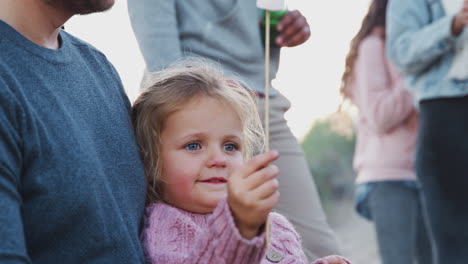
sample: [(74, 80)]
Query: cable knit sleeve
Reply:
[(381, 97), (285, 240), (174, 236)]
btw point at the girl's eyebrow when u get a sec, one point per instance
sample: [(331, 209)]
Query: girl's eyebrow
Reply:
[(202, 136), (193, 135), (233, 137)]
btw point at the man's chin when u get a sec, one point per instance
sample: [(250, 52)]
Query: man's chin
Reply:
[(82, 7), (100, 6)]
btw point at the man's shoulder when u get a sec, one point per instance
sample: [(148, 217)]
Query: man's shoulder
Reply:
[(79, 43), (87, 50), (8, 93)]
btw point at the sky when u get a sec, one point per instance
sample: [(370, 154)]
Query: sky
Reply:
[(309, 75)]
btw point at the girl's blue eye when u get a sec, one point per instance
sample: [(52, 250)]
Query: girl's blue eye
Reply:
[(230, 147), (192, 146)]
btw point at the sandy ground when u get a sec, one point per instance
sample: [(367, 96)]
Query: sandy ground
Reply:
[(355, 234)]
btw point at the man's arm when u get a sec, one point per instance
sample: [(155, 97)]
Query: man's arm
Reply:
[(12, 241), (154, 23)]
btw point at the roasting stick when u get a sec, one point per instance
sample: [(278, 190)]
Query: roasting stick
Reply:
[(268, 5), (267, 86), (267, 105)]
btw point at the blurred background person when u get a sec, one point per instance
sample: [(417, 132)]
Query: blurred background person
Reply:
[(229, 33), (387, 192), (422, 41)]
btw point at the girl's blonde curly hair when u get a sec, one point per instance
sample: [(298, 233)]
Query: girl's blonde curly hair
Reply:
[(168, 91)]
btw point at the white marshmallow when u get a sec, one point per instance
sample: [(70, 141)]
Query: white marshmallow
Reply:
[(271, 5)]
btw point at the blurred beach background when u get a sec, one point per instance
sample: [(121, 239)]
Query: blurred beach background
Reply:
[(309, 76)]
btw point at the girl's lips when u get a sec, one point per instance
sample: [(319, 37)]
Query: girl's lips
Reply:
[(215, 180)]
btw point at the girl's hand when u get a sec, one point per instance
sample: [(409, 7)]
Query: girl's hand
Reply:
[(332, 260), (460, 20), (253, 192)]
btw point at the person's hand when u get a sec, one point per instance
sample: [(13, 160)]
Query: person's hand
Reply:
[(460, 20), (294, 30), (253, 192), (332, 260)]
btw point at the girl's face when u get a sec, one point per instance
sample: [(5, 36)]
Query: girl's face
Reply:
[(200, 147)]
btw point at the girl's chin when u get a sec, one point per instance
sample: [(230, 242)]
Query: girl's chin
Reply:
[(209, 206), (201, 204)]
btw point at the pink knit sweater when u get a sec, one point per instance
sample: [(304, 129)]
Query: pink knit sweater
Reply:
[(173, 236), (387, 118)]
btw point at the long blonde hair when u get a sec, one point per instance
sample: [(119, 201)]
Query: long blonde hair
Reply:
[(168, 91)]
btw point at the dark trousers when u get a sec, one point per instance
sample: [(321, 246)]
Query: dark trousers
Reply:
[(442, 168), (399, 223)]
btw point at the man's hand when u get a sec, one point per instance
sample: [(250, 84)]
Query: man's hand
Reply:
[(253, 192), (294, 30), (460, 20)]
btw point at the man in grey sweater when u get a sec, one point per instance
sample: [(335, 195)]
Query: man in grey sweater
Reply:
[(228, 32), (72, 188)]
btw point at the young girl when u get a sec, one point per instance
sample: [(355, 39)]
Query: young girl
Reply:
[(195, 128), (386, 191)]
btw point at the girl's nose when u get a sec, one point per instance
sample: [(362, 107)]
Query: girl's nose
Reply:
[(217, 158)]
